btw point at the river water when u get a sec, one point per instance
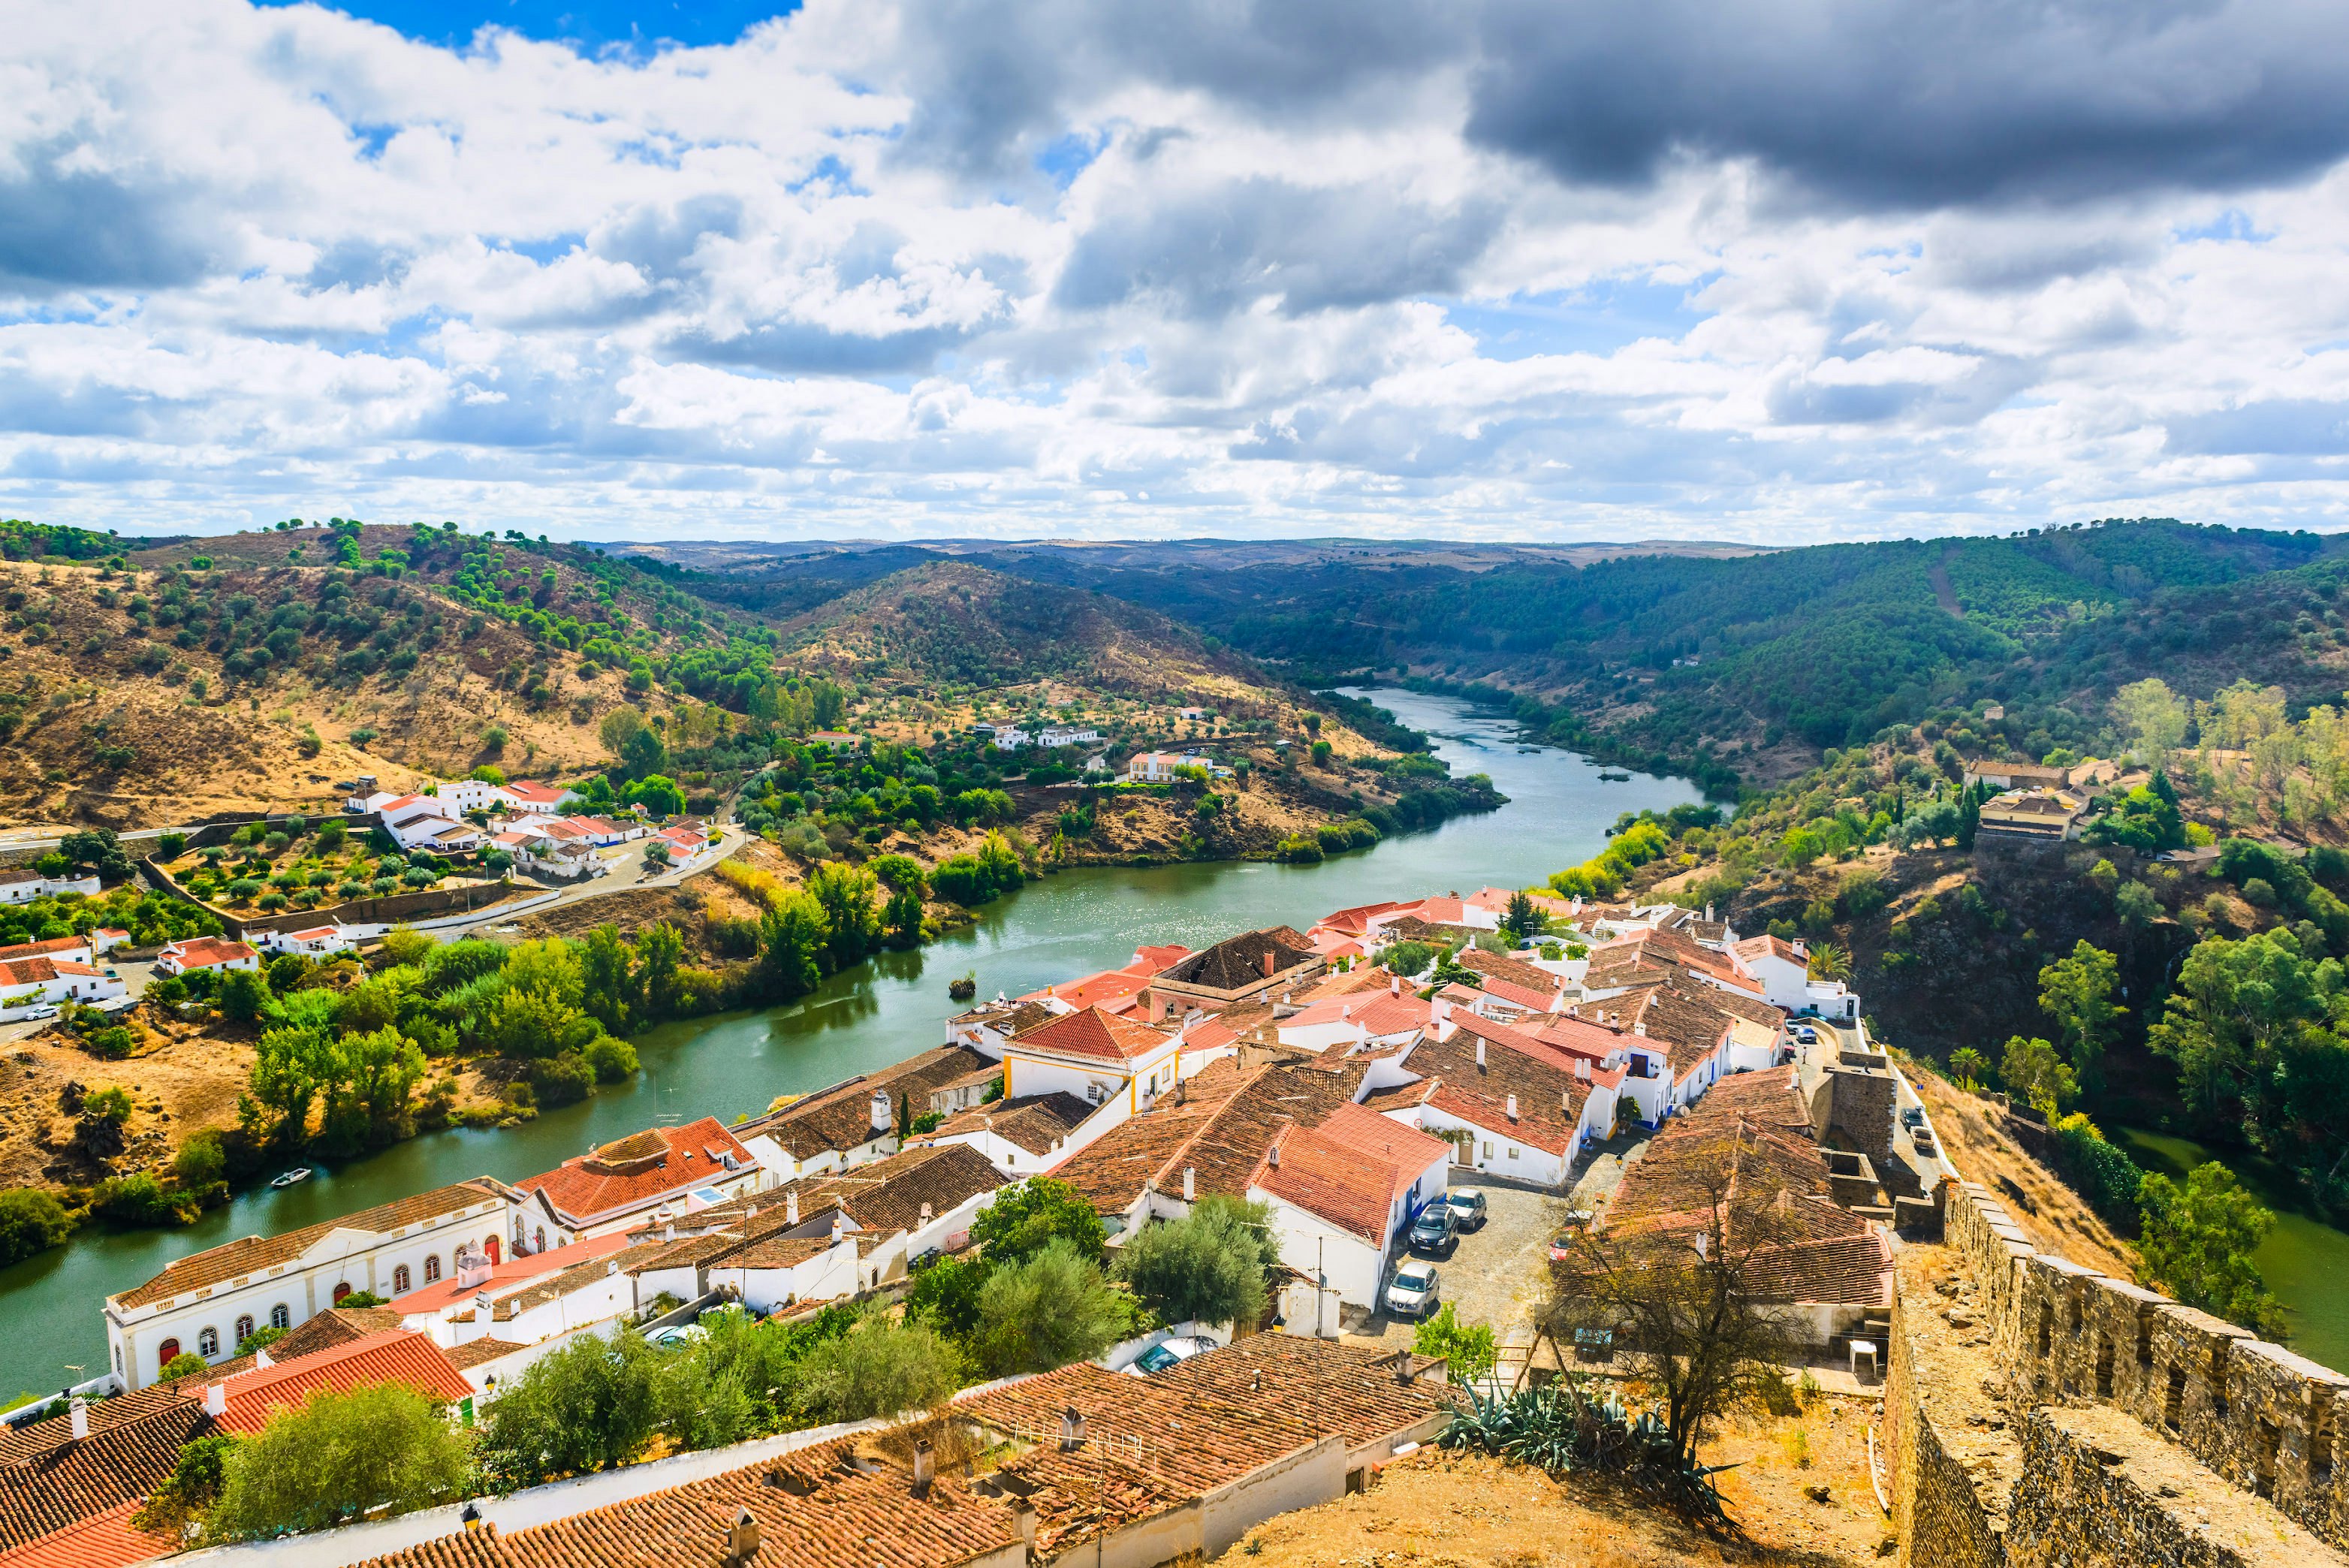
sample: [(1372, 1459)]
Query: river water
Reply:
[(885, 1011)]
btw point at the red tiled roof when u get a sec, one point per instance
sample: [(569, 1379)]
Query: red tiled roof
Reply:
[(44, 949), (1094, 1033), (841, 1118), (248, 1253), (1348, 1390), (1351, 1170), (396, 1357), (508, 1275), (101, 1540), (637, 1170), (51, 1481), (202, 952), (27, 971), (1378, 1013), (526, 790)]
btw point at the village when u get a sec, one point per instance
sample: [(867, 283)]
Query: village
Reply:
[(1429, 1099)]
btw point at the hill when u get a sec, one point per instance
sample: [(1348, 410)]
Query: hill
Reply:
[(198, 677)]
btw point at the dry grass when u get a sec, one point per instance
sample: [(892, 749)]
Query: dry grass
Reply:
[(2056, 1217)]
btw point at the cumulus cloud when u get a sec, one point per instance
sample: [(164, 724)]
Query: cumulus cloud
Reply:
[(1776, 272)]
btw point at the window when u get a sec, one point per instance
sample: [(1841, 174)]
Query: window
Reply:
[(207, 1342), (538, 1243), (245, 1328), (342, 1289), (281, 1317), (431, 1267), (1488, 1149), (1513, 1152), (399, 1280), (166, 1353)]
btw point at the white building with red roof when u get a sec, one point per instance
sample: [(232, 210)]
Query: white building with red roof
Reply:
[(248, 1401), (1783, 970), (529, 795), (214, 952), (427, 822), (311, 942), (1096, 1055), (1340, 1193), (42, 982), (18, 885), (619, 1185), (1115, 990), (1367, 1020)]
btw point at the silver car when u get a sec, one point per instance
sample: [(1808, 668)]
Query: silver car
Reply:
[(1416, 1291)]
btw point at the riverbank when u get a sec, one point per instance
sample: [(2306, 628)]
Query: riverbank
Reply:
[(890, 1006)]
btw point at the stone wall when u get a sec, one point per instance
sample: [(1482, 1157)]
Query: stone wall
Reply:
[(2157, 1431)]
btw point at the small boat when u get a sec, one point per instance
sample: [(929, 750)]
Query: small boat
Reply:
[(1616, 777), (298, 1174)]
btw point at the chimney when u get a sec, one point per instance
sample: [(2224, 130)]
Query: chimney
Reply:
[(262, 1358), (1272, 1156), (927, 1215), (79, 1412), (791, 1207), (1440, 1011), (1072, 1429), (921, 1467), (215, 1403), (1582, 1068), (836, 1226), (1708, 914), (1268, 962), (1640, 1028), (668, 1232), (883, 1113), (1480, 1055), (1187, 1186), (1513, 1108), (1394, 985), (1023, 1513), (742, 1540), (1402, 1367), (1345, 1011)]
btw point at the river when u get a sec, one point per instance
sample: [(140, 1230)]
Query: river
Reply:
[(2304, 1260), (886, 1010)]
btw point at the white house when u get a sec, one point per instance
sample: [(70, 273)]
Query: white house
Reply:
[(1342, 1191), (475, 795), (546, 847), (1011, 738), (614, 1187), (1365, 1020), (205, 953), (1054, 735), (1156, 766), (1503, 1102), (1783, 969), (18, 885), (314, 941), (1094, 1055), (80, 949), (207, 1302), (38, 982), (427, 822), (523, 1300)]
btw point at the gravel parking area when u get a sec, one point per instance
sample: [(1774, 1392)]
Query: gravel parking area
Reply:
[(1497, 1272)]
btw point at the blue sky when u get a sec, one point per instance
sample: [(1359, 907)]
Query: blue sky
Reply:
[(1478, 268)]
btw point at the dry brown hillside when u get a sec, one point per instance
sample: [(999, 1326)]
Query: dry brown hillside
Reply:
[(165, 693)]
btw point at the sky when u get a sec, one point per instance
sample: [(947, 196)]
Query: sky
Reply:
[(1779, 272)]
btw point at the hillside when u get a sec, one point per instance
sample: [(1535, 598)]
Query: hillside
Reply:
[(256, 670)]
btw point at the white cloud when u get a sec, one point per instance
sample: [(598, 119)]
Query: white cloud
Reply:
[(1052, 268)]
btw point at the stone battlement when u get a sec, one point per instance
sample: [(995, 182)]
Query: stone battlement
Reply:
[(2037, 1412)]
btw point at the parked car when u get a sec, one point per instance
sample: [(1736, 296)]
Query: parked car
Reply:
[(1912, 1116), (1416, 1291), (1169, 1353), (1467, 1207), (45, 1010), (1561, 1248), (1435, 1230), (1807, 1034)]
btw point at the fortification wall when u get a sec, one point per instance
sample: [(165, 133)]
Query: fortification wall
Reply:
[(2107, 1414)]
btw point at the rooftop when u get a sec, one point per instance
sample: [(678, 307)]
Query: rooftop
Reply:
[(639, 1168), (1095, 1032), (841, 1118)]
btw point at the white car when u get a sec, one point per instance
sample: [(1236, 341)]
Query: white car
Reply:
[(1169, 1353), (1415, 1291), (45, 1010)]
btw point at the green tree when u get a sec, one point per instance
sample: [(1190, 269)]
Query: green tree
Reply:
[(382, 1069), (532, 1026), (1209, 1266), (1046, 1310), (608, 988), (243, 995), (1969, 1066), (1524, 918), (2197, 1243), (877, 1368), (31, 1220), (2238, 1009), (642, 755), (2136, 905), (290, 1067), (790, 947), (372, 1452), (945, 1295), (2153, 718), (1022, 1220), (192, 1487), (2036, 1076), (2077, 991), (618, 727), (589, 1405), (845, 892), (660, 953), (1469, 1347), (902, 917), (1800, 846)]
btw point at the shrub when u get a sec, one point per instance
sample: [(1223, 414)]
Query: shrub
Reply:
[(362, 735), (562, 1080), (186, 1364), (31, 1220), (113, 1043), (612, 1059)]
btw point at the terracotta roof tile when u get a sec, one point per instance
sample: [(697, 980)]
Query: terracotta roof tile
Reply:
[(104, 1540), (65, 1482), (1095, 1032), (255, 1397), (635, 1171), (1220, 1126), (1036, 1123), (248, 1253), (842, 1119), (1348, 1390)]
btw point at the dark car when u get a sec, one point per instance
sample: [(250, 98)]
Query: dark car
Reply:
[(1467, 1205), (1433, 1230)]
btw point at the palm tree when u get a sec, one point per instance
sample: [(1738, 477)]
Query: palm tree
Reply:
[(1829, 962), (1970, 1065)]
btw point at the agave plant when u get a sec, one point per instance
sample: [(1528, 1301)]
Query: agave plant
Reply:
[(1566, 1427)]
